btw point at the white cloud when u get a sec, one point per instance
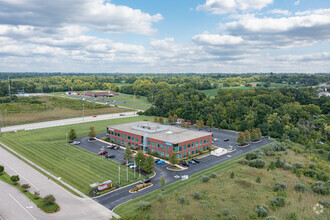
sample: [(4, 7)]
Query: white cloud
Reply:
[(297, 2), (217, 40), (227, 6), (280, 12)]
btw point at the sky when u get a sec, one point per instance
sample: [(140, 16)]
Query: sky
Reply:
[(165, 36)]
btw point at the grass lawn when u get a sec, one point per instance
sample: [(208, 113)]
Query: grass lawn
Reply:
[(47, 148), (51, 108), (49, 208), (240, 195)]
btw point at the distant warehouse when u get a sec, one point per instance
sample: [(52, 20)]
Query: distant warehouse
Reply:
[(160, 139), (99, 94)]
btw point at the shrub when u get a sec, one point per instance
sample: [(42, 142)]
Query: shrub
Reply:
[(26, 187), (225, 212), (279, 186), (272, 165), (310, 173), (232, 217), (279, 163), (213, 175), (197, 196), (261, 210), (298, 166), (143, 205), (232, 175), (205, 179), (292, 216), (271, 218), (257, 163), (182, 199), (2, 168), (258, 180), (14, 179), (325, 203), (49, 199), (287, 166), (243, 161), (255, 155), (320, 188), (278, 201), (299, 187)]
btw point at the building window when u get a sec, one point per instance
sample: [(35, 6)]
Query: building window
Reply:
[(180, 148), (184, 147), (136, 139), (188, 146), (179, 156), (129, 144), (196, 143), (129, 137), (157, 152), (175, 148), (197, 151), (167, 155), (192, 152), (153, 144), (152, 150), (167, 148), (111, 132), (200, 149), (125, 136), (125, 143), (122, 142), (157, 145), (116, 134), (204, 148), (148, 143), (184, 154), (200, 142), (162, 153), (204, 141), (132, 144), (162, 146), (208, 140), (192, 144), (122, 136)]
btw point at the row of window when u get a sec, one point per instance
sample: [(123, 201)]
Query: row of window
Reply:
[(191, 145), (180, 155), (123, 143), (124, 136)]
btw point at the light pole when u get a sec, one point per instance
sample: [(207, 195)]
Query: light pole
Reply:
[(119, 174), (83, 112), (127, 171), (140, 168), (66, 138), (134, 170)]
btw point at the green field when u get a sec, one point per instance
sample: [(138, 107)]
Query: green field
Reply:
[(47, 148), (240, 195)]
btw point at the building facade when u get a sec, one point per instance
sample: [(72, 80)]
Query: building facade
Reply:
[(160, 139)]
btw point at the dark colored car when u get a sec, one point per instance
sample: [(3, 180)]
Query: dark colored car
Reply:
[(146, 180), (184, 163), (102, 152), (196, 161), (191, 161), (110, 156), (226, 139), (156, 160), (111, 146)]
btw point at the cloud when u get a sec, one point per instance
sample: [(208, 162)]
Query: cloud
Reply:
[(297, 2), (93, 14), (280, 12), (215, 39), (227, 6)]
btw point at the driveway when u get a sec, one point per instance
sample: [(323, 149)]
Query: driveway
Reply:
[(15, 205), (120, 196)]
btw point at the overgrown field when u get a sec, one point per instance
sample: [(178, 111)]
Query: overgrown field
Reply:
[(48, 149), (233, 191), (36, 109)]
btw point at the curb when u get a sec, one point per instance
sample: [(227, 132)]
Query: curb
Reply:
[(141, 189)]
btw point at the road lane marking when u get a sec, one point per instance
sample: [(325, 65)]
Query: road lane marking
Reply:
[(21, 176), (22, 207)]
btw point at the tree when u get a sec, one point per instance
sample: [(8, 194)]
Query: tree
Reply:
[(247, 135), (49, 199), (26, 187), (36, 194), (128, 154), (175, 118), (254, 134), (161, 120), (259, 135), (72, 134), (241, 138), (210, 121), (155, 119), (14, 179), (149, 164), (139, 158), (92, 132), (170, 119), (2, 168), (174, 158), (162, 181)]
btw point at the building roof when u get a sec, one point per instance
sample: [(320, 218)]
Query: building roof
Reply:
[(99, 93), (166, 133)]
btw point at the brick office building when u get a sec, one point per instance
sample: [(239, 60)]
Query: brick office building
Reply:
[(160, 139)]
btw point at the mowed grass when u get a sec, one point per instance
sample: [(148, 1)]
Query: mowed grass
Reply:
[(48, 149), (240, 195), (142, 100)]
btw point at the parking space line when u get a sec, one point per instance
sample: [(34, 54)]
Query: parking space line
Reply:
[(22, 206)]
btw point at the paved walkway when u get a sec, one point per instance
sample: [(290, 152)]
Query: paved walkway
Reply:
[(15, 205), (67, 121)]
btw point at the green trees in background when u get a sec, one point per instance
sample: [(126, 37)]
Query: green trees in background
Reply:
[(92, 133), (72, 134)]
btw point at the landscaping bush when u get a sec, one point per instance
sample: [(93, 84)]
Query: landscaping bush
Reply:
[(26, 187), (225, 212), (243, 161), (257, 163), (258, 180), (271, 218), (278, 201), (213, 175), (205, 179), (255, 155), (279, 186), (232, 175), (143, 205), (182, 199), (287, 166), (197, 196), (1, 169), (320, 188), (279, 146), (325, 203), (271, 165), (14, 179), (261, 210), (299, 187), (49, 199)]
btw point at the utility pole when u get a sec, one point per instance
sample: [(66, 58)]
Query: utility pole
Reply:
[(134, 170), (119, 174), (134, 103), (127, 172), (9, 86), (66, 138)]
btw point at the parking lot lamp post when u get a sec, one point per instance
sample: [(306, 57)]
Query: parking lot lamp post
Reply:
[(140, 168), (119, 174), (134, 170), (127, 172), (66, 138)]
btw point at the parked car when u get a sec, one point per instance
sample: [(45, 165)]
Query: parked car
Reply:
[(110, 146), (102, 152), (132, 166), (216, 139), (196, 161), (160, 162), (116, 105), (226, 139), (121, 114), (156, 160), (116, 148), (129, 164), (191, 161), (75, 142), (146, 180), (110, 156), (94, 116), (209, 130), (184, 163)]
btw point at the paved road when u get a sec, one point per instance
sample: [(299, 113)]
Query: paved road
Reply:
[(122, 195), (14, 205), (67, 121)]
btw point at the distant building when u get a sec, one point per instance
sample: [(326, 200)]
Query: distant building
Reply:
[(324, 94), (160, 139), (99, 94), (253, 85), (71, 93)]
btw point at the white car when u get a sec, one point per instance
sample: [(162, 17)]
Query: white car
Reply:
[(76, 142), (132, 166)]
